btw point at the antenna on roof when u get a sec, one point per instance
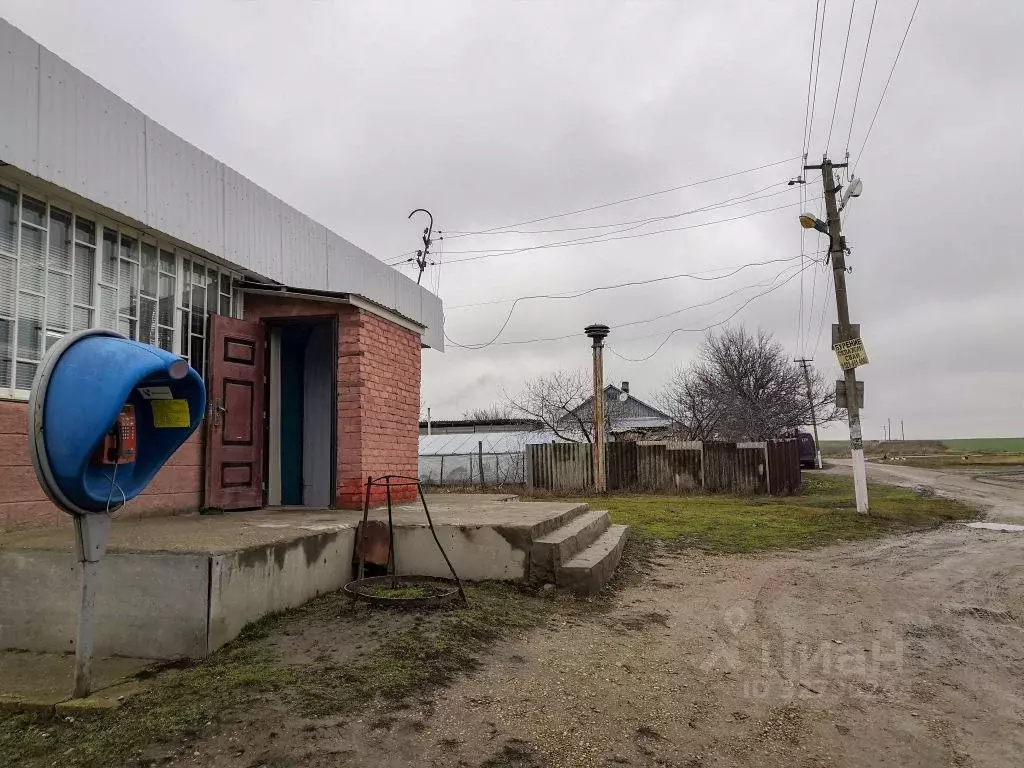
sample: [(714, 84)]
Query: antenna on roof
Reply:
[(428, 238)]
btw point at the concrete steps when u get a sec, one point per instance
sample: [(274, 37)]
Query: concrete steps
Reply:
[(590, 569), (550, 552), (581, 554)]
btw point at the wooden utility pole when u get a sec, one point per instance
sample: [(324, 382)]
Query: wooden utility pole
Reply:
[(837, 253), (597, 334), (803, 361)]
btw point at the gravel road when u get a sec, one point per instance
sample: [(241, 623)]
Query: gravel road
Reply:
[(906, 651)]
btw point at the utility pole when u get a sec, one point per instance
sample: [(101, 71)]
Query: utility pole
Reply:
[(837, 253), (803, 361), (903, 435), (597, 334), (888, 429)]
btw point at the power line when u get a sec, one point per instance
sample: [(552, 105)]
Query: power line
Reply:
[(803, 251), (888, 80), (707, 303), (729, 201), (637, 223), (516, 301), (810, 314), (842, 66), (399, 258), (771, 282), (439, 263), (706, 276), (632, 199), (573, 243), (821, 323), (804, 140), (705, 328), (726, 203), (860, 79), (817, 72), (494, 342)]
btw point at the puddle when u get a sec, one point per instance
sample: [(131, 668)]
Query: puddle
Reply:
[(1008, 527)]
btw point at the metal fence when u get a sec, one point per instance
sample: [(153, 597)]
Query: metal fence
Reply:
[(763, 467), (468, 469)]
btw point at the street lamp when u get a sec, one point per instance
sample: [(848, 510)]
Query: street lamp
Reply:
[(810, 221)]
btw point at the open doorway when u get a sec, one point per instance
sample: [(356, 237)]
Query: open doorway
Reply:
[(302, 419)]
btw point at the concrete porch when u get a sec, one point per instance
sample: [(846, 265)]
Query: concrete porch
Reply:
[(183, 586)]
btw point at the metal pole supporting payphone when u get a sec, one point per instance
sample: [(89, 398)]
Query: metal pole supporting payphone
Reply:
[(91, 533)]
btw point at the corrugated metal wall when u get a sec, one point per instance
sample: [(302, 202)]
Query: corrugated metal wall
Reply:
[(680, 467), (61, 126)]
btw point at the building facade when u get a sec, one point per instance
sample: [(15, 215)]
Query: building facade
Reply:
[(310, 346)]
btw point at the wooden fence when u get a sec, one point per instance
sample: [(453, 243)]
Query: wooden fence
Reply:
[(771, 467)]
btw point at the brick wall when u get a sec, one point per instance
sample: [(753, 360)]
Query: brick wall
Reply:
[(378, 424), (176, 488), (378, 395), (379, 407)]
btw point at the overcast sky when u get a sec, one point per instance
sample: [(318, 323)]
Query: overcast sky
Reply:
[(494, 113)]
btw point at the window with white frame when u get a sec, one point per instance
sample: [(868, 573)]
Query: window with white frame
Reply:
[(205, 291), (64, 270)]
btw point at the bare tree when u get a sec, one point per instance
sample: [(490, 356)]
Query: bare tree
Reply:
[(743, 386), (553, 400), (493, 412), (695, 415)]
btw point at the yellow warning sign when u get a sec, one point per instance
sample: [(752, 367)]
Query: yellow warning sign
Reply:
[(170, 413), (851, 353)]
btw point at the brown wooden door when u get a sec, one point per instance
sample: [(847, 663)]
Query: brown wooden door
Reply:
[(234, 424)]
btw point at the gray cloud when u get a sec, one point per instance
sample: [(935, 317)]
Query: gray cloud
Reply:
[(491, 113)]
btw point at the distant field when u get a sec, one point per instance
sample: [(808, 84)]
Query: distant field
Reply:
[(986, 445), (837, 448), (972, 460)]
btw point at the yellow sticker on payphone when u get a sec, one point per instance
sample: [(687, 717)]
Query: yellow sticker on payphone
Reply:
[(170, 413)]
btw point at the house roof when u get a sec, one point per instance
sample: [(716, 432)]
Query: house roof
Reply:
[(632, 413), (526, 424)]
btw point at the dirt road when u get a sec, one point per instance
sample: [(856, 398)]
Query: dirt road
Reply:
[(907, 651), (999, 492)]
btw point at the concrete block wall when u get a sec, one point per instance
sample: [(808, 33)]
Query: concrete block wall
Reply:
[(176, 488)]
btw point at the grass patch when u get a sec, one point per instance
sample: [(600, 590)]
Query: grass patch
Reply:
[(824, 513), (411, 654)]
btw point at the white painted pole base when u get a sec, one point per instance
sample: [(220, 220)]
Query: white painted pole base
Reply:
[(860, 480), (91, 533), (817, 459), (86, 631)]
